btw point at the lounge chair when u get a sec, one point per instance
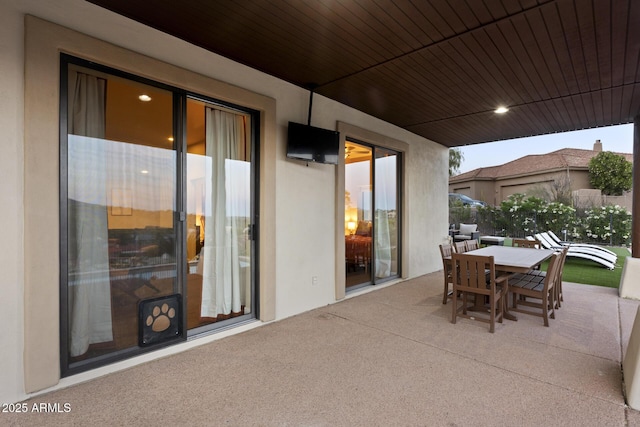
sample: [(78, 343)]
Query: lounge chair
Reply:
[(585, 248), (601, 257), (556, 239)]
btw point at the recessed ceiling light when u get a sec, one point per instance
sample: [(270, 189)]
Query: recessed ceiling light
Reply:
[(144, 171), (501, 110), (144, 98)]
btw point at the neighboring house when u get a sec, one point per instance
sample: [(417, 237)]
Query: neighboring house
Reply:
[(68, 303), (532, 173)]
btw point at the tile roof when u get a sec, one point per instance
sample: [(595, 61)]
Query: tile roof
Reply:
[(572, 158)]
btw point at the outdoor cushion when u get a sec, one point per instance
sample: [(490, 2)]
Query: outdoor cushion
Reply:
[(467, 229)]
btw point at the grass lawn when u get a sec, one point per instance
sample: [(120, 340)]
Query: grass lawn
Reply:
[(578, 270)]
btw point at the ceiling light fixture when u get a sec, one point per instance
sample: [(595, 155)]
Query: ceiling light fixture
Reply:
[(501, 110), (144, 98)]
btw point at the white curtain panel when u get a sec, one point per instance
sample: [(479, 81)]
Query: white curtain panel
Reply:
[(224, 209), (89, 287), (385, 201)]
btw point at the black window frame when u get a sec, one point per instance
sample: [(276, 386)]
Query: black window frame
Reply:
[(180, 97), (399, 186)]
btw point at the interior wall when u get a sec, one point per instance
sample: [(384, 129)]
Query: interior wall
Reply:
[(300, 239)]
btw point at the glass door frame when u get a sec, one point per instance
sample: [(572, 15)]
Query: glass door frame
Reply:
[(358, 239), (179, 221), (375, 149), (254, 211), (371, 137)]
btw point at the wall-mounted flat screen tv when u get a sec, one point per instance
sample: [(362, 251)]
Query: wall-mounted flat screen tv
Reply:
[(313, 144)]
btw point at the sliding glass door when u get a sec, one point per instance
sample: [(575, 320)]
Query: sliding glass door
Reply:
[(157, 207), (219, 213), (386, 213), (371, 214)]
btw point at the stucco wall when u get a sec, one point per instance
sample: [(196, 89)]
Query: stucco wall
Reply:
[(11, 200), (301, 200), (496, 190)]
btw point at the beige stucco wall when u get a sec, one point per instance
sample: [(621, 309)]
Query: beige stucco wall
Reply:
[(484, 191), (11, 200), (298, 203)]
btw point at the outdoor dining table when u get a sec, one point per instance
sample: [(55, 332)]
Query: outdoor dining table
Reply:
[(514, 260), (508, 259)]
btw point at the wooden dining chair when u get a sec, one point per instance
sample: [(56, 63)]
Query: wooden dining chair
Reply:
[(559, 297), (471, 245), (539, 276), (460, 247), (470, 279), (446, 250), (539, 287), (525, 243)]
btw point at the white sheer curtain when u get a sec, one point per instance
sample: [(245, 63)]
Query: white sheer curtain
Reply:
[(385, 203), (89, 287), (222, 281)]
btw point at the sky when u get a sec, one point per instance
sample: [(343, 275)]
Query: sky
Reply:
[(618, 139)]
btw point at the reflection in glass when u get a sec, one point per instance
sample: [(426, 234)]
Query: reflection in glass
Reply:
[(386, 229), (371, 214), (218, 214), (121, 186), (358, 214)]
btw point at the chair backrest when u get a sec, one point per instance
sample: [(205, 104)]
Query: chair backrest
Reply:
[(470, 273), (552, 271), (471, 245), (446, 250), (460, 247), (554, 237), (526, 243), (545, 236), (467, 229), (545, 243), (563, 258)]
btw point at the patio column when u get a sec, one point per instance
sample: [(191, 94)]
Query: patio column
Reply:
[(635, 202), (629, 285)]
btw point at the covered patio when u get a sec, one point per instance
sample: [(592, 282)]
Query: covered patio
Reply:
[(389, 357), (426, 74), (457, 75)]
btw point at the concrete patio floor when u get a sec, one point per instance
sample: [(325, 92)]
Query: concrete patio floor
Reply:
[(390, 356)]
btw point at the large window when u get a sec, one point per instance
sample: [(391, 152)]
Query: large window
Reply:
[(157, 201)]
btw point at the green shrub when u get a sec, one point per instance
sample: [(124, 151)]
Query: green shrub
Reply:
[(608, 224), (558, 218), (520, 216)]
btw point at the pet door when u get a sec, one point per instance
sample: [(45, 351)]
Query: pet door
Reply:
[(160, 319)]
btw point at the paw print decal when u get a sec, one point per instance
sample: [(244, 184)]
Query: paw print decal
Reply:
[(160, 317)]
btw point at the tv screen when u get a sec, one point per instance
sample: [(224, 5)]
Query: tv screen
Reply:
[(313, 144)]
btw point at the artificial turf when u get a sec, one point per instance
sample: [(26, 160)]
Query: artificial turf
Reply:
[(578, 270)]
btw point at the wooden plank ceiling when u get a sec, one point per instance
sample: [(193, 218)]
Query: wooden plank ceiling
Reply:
[(437, 68)]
